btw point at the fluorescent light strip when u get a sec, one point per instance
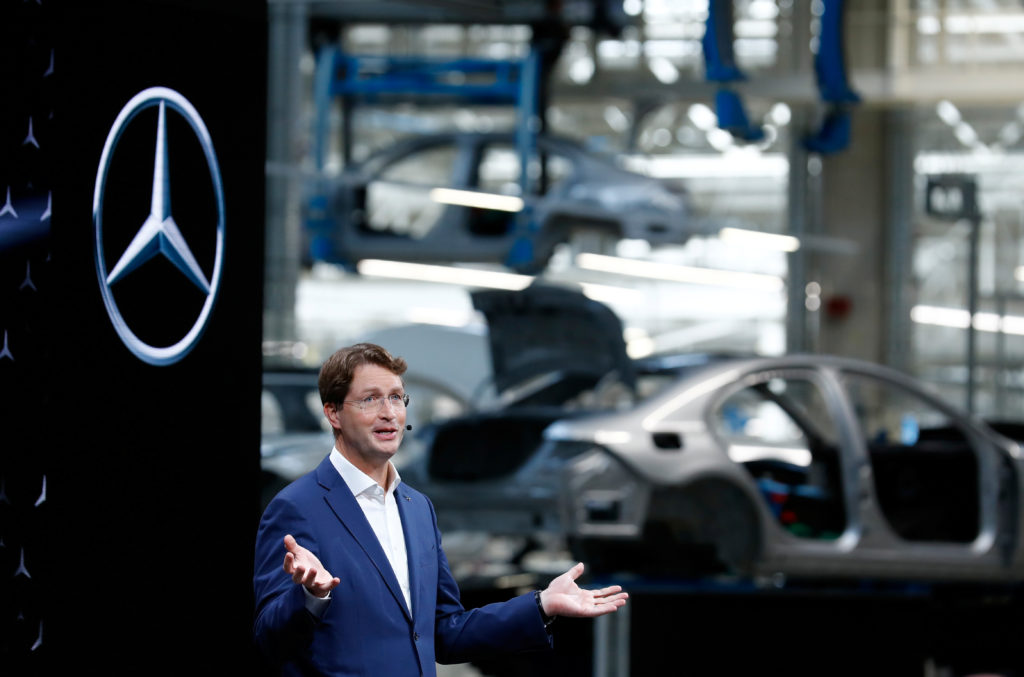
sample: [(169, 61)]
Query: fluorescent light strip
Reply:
[(755, 238), (941, 317), (702, 167), (672, 273), (958, 318), (1001, 22), (469, 277), (640, 347), (610, 294), (471, 198)]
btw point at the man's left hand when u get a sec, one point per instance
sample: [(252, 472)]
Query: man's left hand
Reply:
[(563, 597)]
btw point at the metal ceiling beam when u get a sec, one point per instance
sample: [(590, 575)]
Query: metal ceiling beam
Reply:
[(573, 12), (977, 85)]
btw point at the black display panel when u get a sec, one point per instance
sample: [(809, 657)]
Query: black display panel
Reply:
[(131, 257)]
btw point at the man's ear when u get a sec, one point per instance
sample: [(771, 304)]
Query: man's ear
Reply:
[(331, 412)]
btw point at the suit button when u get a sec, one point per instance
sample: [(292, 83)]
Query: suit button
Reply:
[(416, 636)]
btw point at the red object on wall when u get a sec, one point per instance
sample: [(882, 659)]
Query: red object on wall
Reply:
[(838, 307)]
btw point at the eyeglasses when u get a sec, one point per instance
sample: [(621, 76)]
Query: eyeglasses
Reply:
[(376, 402)]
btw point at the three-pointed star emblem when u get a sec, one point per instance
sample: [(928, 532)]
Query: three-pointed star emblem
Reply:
[(159, 233)]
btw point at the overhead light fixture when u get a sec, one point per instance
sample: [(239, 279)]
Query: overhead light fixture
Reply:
[(490, 279), (469, 277), (958, 318), (582, 69), (965, 134), (1001, 23), (727, 166), (633, 7), (606, 293), (702, 117), (780, 114), (948, 112), (720, 140), (941, 317), (616, 119), (663, 69), (758, 239), (638, 342), (472, 198), (674, 273)]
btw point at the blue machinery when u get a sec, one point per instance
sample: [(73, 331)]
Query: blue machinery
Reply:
[(519, 83), (474, 81), (375, 78), (722, 69), (829, 70)]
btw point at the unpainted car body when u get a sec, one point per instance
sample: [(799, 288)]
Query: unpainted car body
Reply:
[(553, 352), (806, 465), (382, 207)]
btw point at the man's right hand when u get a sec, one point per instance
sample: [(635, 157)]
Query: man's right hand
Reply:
[(305, 569)]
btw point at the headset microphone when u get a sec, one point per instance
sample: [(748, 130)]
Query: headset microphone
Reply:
[(408, 427)]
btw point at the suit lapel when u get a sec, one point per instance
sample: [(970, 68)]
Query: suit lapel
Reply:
[(347, 510), (416, 549)]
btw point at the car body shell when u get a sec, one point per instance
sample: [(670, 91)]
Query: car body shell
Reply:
[(603, 478), (591, 193)]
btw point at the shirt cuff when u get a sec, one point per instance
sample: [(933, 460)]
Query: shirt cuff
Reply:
[(548, 620), (316, 605)]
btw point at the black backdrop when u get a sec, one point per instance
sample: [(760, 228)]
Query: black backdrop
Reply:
[(130, 497)]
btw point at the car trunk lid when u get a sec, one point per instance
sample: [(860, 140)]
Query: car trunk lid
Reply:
[(545, 330)]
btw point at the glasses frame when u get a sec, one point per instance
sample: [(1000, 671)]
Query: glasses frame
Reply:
[(379, 402)]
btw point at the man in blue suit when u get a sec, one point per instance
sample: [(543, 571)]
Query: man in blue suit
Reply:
[(365, 587)]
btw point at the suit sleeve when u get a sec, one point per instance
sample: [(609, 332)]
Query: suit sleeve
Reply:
[(283, 627), (503, 627)]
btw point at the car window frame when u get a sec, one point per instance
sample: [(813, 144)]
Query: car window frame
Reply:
[(848, 461), (988, 455)]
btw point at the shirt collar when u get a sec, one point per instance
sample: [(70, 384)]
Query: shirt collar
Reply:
[(356, 479)]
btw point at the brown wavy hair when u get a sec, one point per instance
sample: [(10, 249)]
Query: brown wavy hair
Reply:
[(337, 371)]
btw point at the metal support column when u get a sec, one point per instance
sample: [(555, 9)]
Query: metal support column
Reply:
[(799, 203), (972, 309), (287, 26), (611, 644), (900, 210)]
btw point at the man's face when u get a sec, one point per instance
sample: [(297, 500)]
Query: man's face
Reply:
[(369, 436)]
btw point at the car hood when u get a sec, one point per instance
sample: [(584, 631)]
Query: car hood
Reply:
[(552, 330)]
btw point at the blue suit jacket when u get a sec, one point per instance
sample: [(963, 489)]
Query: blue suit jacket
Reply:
[(367, 628)]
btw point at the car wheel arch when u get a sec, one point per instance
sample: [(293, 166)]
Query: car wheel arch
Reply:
[(711, 509)]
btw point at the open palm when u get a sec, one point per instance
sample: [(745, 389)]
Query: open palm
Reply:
[(305, 569), (563, 597)]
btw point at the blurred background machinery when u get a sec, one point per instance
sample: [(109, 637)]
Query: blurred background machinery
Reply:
[(747, 112), (815, 178)]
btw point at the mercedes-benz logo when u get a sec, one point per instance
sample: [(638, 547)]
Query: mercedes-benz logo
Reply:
[(159, 234)]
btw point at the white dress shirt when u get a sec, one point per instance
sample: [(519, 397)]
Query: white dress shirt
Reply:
[(381, 510)]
